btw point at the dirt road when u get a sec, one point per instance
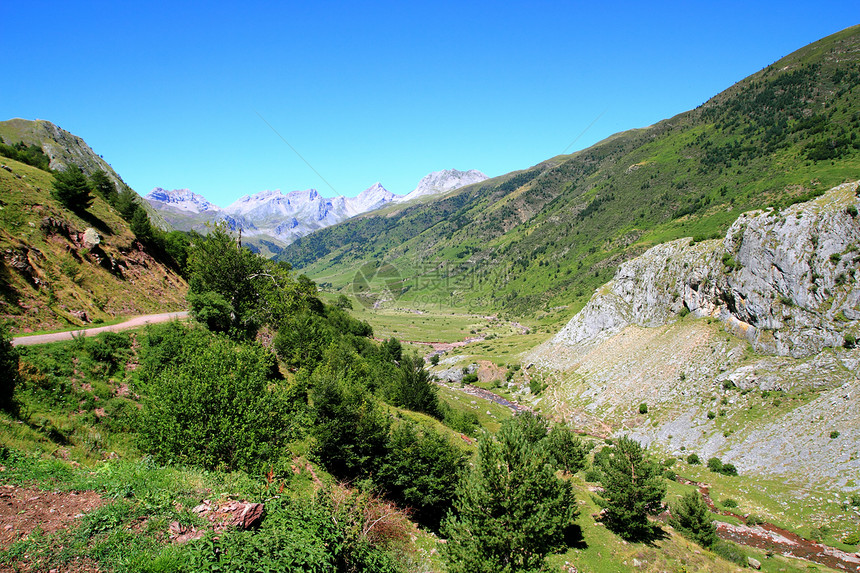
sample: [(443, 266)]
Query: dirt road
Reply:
[(135, 322)]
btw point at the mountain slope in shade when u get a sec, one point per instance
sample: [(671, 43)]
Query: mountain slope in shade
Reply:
[(443, 181)]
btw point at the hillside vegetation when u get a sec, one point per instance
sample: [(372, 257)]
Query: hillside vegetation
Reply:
[(547, 236)]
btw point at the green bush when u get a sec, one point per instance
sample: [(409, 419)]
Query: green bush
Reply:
[(730, 552), (730, 503), (852, 538), (29, 154), (834, 434), (421, 471), (693, 460), (470, 378), (350, 427), (215, 404), (318, 534), (643, 408)]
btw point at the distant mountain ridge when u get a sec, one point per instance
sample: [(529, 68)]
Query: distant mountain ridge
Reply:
[(271, 219)]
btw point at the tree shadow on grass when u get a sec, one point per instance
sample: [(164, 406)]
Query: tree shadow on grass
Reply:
[(649, 535), (573, 537), (94, 222)]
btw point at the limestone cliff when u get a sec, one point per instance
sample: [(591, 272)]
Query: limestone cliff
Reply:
[(741, 347), (785, 280)]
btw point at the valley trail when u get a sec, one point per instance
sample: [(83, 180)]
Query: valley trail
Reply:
[(134, 322)]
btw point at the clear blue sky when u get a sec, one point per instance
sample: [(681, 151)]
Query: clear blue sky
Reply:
[(172, 93)]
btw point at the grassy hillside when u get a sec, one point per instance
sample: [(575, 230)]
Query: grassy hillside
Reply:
[(535, 240), (55, 273), (76, 452)]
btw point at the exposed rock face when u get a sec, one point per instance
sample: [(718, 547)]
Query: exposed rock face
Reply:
[(61, 147), (786, 281), (778, 301), (442, 182)]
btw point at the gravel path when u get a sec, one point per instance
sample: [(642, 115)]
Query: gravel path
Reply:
[(135, 322)]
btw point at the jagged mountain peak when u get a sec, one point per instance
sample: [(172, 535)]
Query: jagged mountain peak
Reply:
[(444, 181), (182, 199)]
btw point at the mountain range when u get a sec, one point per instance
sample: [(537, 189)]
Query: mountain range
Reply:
[(270, 220), (540, 241)]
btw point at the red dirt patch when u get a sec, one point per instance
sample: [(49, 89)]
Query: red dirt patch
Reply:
[(22, 510)]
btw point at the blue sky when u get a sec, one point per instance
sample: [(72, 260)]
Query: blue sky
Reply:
[(181, 95)]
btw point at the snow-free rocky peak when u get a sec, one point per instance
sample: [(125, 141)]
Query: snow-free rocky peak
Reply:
[(276, 219), (444, 181), (181, 199)]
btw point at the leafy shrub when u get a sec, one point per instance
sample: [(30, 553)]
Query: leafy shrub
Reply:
[(215, 404), (693, 459), (470, 378), (852, 538), (592, 475), (336, 531), (730, 552), (729, 262), (29, 154), (350, 427), (715, 465), (730, 503), (729, 470), (536, 386), (643, 408), (465, 422), (212, 309), (421, 471), (849, 341), (834, 434), (110, 348)]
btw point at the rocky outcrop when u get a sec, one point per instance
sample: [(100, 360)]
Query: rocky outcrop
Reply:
[(763, 373), (784, 280)]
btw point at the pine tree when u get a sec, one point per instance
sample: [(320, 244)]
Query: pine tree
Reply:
[(103, 186), (567, 450), (511, 511), (633, 488), (691, 517), (72, 188)]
